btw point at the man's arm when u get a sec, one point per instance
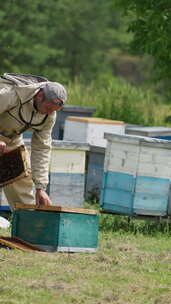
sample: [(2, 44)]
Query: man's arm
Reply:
[(40, 158)]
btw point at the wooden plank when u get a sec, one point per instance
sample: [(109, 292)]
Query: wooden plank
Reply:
[(17, 243), (55, 208)]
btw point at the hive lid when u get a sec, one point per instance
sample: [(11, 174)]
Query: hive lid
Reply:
[(96, 120), (55, 209), (148, 131), (135, 139)]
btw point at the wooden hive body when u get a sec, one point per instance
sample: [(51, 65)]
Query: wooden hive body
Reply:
[(57, 228)]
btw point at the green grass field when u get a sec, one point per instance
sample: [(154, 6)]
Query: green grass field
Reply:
[(133, 262), (128, 268)]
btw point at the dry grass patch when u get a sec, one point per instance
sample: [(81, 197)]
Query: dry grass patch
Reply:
[(126, 269)]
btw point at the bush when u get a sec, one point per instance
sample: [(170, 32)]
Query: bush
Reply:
[(115, 99)]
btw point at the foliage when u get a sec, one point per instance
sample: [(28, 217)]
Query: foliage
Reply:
[(151, 23), (59, 39), (125, 224), (115, 99)]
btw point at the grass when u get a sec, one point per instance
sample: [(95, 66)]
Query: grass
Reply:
[(128, 268), (133, 262)]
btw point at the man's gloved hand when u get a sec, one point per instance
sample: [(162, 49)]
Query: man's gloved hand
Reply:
[(42, 198)]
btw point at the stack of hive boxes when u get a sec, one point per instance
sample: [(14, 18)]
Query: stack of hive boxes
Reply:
[(137, 176), (91, 131)]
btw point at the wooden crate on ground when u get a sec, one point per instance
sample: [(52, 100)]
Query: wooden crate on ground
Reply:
[(57, 228), (137, 175)]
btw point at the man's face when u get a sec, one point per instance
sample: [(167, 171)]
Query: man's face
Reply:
[(46, 107)]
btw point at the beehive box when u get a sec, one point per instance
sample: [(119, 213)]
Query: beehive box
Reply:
[(57, 228), (137, 175), (91, 129), (67, 172), (156, 132), (69, 110)]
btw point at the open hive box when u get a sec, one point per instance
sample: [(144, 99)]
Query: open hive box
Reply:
[(56, 228)]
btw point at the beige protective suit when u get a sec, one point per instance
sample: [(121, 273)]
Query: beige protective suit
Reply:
[(17, 113)]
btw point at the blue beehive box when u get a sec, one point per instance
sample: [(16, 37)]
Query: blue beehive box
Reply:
[(137, 174)]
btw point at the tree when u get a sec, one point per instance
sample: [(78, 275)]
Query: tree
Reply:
[(151, 24), (60, 39)]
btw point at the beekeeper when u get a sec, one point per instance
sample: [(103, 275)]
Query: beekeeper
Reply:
[(29, 102)]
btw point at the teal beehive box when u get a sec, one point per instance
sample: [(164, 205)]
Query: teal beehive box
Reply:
[(57, 228)]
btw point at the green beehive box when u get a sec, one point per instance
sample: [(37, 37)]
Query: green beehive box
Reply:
[(57, 228)]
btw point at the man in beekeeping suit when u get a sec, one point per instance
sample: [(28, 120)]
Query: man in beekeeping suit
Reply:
[(29, 102)]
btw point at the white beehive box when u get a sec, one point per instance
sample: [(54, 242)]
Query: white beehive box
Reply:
[(91, 129), (67, 173), (137, 175)]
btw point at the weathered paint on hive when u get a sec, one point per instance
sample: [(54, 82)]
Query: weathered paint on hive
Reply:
[(151, 195), (67, 189), (121, 157), (67, 161), (118, 192)]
